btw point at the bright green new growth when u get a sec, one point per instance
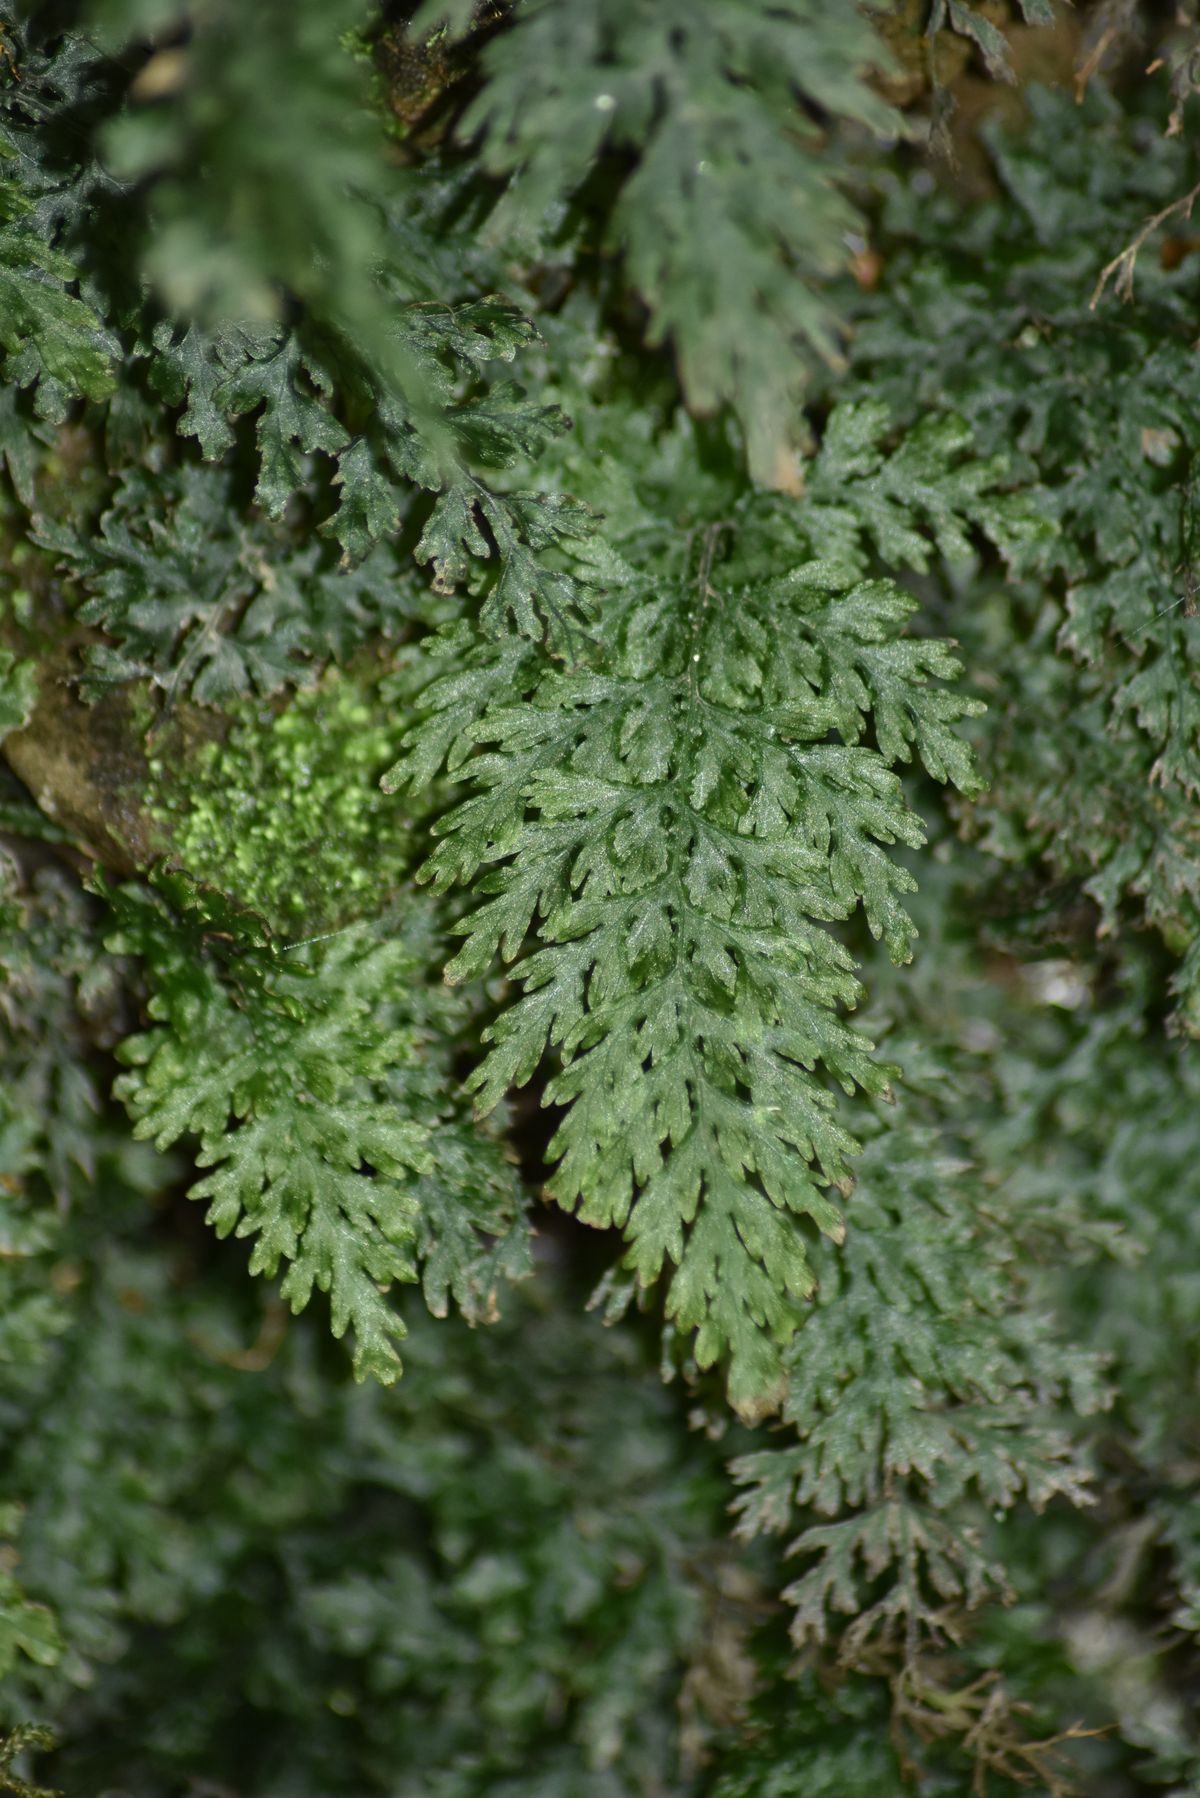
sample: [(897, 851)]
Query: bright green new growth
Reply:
[(285, 814)]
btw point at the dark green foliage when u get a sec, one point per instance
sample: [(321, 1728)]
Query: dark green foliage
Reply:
[(53, 340), (595, 460), (197, 603), (288, 382), (220, 129), (1111, 1111), (467, 1584), (59, 992), (1100, 404), (727, 214), (350, 408), (919, 1416), (821, 1747)]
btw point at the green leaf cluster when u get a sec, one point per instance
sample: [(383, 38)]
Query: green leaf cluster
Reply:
[(676, 824), (920, 1416), (298, 1078), (1097, 400), (475, 1587), (730, 208)]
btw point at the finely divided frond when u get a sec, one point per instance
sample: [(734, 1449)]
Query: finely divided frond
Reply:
[(676, 828), (924, 1387), (327, 1126), (732, 204)]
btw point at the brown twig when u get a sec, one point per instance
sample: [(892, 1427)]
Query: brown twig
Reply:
[(1087, 69), (1122, 266)]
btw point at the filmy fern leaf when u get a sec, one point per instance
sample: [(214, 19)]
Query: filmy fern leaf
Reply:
[(196, 600), (1109, 795), (436, 434), (363, 383), (727, 209), (315, 1081), (706, 96), (272, 1070), (53, 340), (678, 826), (925, 1388)]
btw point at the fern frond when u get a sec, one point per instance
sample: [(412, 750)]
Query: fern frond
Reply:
[(731, 205), (301, 386), (364, 381), (677, 826), (197, 600), (925, 1390), (290, 1073), (1100, 407)]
